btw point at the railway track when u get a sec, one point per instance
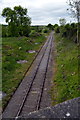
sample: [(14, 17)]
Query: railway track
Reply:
[(28, 97)]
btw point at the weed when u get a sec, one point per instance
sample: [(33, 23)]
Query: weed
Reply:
[(66, 76)]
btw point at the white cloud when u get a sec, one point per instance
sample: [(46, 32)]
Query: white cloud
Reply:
[(40, 11)]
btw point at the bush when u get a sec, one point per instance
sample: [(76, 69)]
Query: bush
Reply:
[(45, 30), (69, 30), (57, 29), (4, 31), (0, 30), (56, 25), (26, 31), (34, 33)]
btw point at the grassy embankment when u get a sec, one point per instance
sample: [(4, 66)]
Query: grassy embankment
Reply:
[(15, 49), (66, 82)]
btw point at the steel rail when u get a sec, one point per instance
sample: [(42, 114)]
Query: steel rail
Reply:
[(42, 89), (27, 92)]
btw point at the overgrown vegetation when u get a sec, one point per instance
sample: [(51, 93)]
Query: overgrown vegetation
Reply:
[(75, 11), (68, 31), (66, 82)]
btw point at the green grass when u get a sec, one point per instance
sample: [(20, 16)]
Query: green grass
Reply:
[(65, 83), (14, 49)]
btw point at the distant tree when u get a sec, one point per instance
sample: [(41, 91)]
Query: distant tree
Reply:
[(50, 26), (57, 29), (56, 25), (62, 21), (18, 20), (75, 11), (38, 28)]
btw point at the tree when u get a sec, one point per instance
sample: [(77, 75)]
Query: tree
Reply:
[(10, 19), (62, 21), (56, 25), (18, 20), (50, 26), (75, 10), (4, 31)]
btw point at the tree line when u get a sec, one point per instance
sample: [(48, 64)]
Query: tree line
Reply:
[(68, 30), (19, 23)]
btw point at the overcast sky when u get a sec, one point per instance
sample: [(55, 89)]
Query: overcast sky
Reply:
[(42, 12)]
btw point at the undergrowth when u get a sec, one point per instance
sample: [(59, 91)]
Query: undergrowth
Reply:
[(66, 82)]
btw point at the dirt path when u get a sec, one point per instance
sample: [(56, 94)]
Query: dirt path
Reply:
[(33, 92)]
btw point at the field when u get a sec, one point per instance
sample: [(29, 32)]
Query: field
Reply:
[(65, 81), (15, 49)]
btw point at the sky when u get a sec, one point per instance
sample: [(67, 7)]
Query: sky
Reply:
[(41, 12)]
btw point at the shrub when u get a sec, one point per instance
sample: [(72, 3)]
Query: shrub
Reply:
[(45, 30), (34, 33), (57, 29), (4, 31)]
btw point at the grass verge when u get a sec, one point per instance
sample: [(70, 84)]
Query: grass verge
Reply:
[(66, 82)]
